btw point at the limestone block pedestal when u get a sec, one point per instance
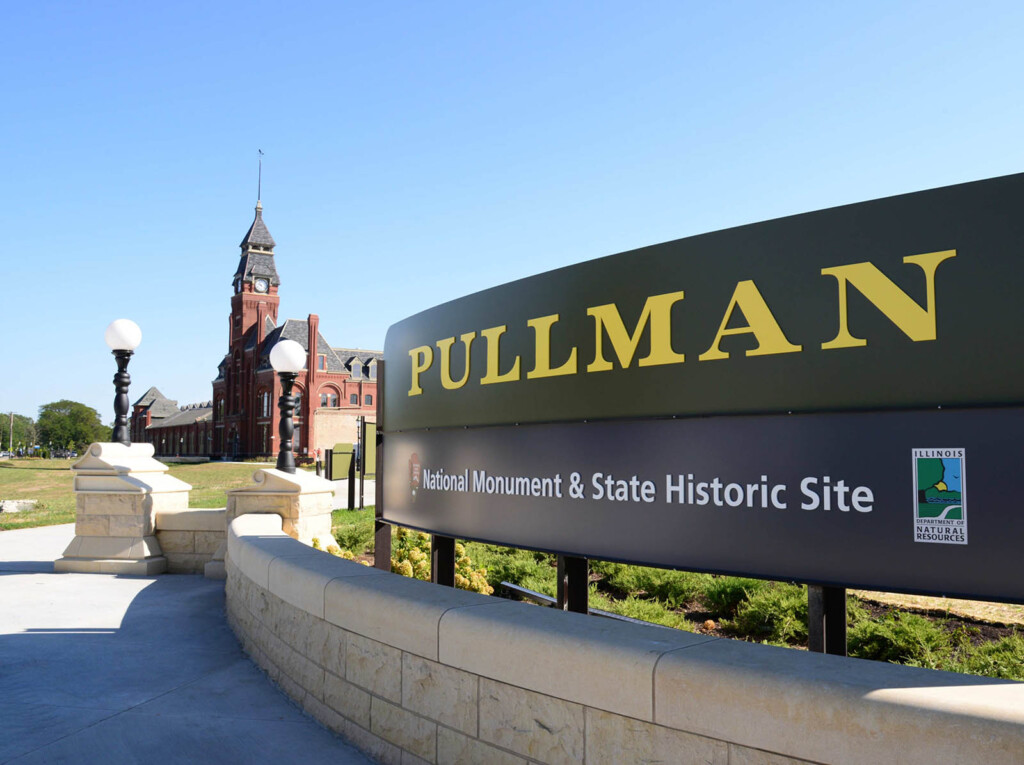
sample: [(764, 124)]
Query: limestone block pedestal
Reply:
[(303, 501), (118, 492)]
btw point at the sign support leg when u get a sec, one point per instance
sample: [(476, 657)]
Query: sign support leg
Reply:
[(352, 483), (442, 560), (573, 581), (826, 619), (362, 458), (381, 529), (329, 464)]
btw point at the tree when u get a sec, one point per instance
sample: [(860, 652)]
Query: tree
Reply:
[(64, 422), (24, 431)]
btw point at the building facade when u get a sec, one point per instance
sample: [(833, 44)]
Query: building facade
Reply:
[(241, 421)]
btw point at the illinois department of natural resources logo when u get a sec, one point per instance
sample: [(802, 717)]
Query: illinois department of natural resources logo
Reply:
[(940, 499)]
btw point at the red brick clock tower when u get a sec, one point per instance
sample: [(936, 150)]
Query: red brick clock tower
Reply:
[(253, 314)]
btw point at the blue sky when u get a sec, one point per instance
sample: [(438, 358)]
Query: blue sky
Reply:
[(418, 152)]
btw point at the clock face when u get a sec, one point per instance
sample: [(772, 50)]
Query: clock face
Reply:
[(261, 285)]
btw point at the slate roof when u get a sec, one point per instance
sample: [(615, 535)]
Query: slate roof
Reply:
[(186, 415), (253, 264), (257, 252), (257, 234), (158, 404), (358, 357), (298, 330), (149, 397)]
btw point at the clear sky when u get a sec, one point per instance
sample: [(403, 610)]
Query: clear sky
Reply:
[(417, 152)]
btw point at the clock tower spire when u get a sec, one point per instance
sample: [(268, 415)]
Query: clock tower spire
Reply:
[(255, 282)]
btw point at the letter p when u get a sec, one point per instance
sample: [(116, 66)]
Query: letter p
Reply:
[(422, 358)]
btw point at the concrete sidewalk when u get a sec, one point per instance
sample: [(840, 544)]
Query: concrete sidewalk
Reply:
[(96, 668), (341, 493)]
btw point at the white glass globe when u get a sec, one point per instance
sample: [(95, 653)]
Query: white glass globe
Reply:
[(123, 335), (288, 356)]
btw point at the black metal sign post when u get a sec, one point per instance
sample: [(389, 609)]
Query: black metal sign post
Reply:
[(381, 529), (329, 464), (826, 619), (352, 483), (362, 459), (573, 583), (442, 560)]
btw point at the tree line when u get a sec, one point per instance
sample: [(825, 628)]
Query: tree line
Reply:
[(62, 426)]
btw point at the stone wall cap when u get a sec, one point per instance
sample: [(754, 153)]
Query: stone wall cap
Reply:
[(116, 459), (130, 482), (274, 481)]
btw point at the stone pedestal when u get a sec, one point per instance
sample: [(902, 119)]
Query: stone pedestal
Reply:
[(118, 492), (303, 501)]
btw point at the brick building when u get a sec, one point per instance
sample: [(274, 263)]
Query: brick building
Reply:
[(241, 420)]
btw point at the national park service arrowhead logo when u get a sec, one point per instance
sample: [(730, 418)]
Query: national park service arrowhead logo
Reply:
[(415, 475), (940, 499)]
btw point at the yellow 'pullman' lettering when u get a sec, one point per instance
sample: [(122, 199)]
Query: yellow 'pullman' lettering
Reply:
[(658, 312), (493, 338), (446, 361), (542, 351), (422, 358), (760, 323), (915, 322)]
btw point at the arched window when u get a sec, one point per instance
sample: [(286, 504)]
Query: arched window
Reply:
[(354, 399), (368, 399)]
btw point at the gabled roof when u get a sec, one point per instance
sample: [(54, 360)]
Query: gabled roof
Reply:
[(298, 330), (358, 357), (157, 404), (149, 397)]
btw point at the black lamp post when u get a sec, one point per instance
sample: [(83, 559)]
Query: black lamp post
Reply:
[(123, 337), (287, 358)]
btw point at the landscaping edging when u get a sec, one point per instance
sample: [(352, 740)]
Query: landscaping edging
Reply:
[(397, 666)]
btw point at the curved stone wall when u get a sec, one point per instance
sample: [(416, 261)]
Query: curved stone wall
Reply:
[(412, 672)]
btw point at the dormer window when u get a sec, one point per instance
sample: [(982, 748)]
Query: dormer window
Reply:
[(372, 366), (321, 362), (357, 369)]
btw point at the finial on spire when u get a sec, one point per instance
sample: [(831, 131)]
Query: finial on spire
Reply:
[(259, 181)]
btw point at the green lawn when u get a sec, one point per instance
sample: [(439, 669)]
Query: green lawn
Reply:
[(49, 482)]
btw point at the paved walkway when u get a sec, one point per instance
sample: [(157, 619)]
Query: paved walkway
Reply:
[(96, 668)]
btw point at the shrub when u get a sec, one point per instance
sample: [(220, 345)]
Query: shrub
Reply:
[(724, 594), (640, 608), (902, 638), (675, 588), (468, 578), (410, 553), (775, 612), (533, 570), (1003, 659), (354, 530)]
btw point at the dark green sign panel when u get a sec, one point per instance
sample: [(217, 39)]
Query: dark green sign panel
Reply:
[(906, 302), (868, 359)]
